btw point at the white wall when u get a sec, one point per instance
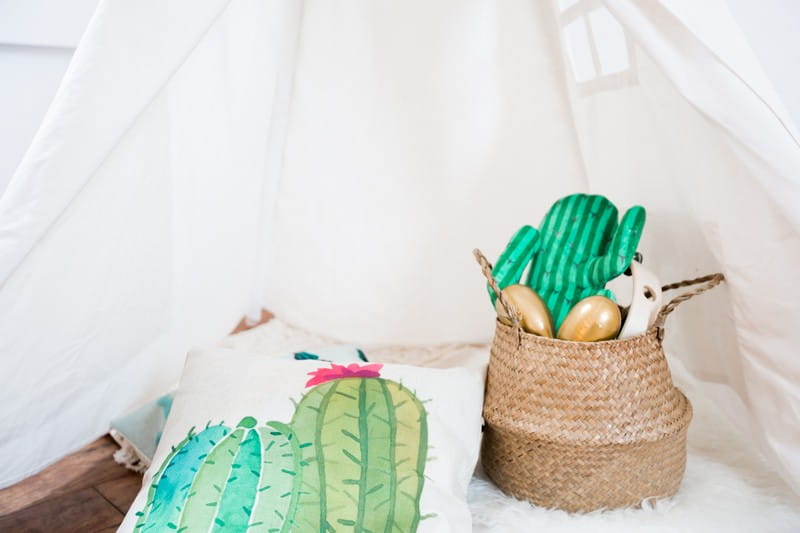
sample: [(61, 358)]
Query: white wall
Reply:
[(37, 39)]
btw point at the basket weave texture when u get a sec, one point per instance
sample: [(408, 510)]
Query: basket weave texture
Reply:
[(584, 425)]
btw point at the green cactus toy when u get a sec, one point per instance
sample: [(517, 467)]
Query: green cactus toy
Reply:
[(352, 459), (579, 248)]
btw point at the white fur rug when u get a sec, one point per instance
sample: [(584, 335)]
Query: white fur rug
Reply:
[(728, 486)]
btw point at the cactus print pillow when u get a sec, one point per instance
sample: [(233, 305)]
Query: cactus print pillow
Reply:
[(264, 445)]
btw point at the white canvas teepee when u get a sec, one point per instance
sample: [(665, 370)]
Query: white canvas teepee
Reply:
[(336, 163)]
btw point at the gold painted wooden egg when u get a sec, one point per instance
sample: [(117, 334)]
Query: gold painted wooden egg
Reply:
[(533, 312), (595, 318)]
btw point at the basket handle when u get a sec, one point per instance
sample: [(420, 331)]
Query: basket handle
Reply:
[(486, 268), (701, 285)]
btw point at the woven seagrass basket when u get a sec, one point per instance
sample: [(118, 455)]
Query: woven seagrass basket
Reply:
[(584, 425)]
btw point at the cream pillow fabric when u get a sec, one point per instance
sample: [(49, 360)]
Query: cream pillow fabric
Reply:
[(264, 445)]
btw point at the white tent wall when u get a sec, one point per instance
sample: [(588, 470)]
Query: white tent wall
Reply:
[(130, 230), (708, 215), (159, 201), (404, 153), (770, 28), (65, 314)]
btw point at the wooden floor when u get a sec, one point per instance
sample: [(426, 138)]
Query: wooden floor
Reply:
[(85, 492)]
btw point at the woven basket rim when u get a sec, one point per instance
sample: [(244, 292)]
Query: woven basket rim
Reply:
[(653, 330)]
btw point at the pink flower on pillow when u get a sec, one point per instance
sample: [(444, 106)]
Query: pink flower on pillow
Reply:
[(353, 370)]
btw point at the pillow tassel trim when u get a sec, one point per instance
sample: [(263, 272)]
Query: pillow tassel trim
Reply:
[(128, 454)]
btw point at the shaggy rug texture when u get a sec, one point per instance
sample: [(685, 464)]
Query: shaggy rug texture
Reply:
[(728, 485)]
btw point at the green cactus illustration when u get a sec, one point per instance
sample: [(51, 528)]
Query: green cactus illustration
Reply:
[(517, 255), (371, 441), (227, 480), (278, 497), (579, 247), (351, 459), (170, 486)]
